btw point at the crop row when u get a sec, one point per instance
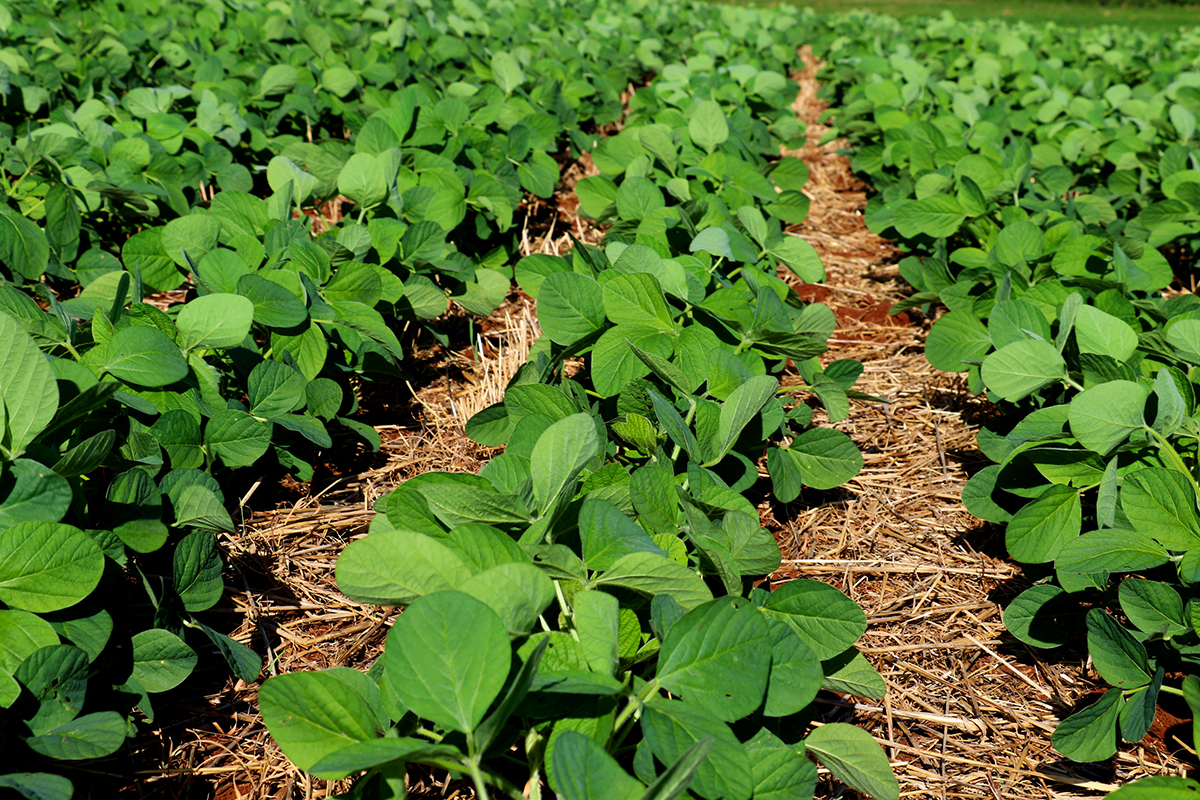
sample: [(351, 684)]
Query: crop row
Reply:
[(1046, 187), (174, 317)]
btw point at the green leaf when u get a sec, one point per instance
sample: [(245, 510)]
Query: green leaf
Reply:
[(214, 320), (396, 567), (824, 618), (90, 736), (570, 306), (651, 574), (362, 180), (851, 673), (186, 240), (580, 769), (161, 660), (597, 624), (718, 657), (274, 388), (38, 785), (743, 405), (1040, 530), (28, 388), (314, 714), (1153, 607), (855, 759), (707, 126), (278, 79), (507, 72), (637, 299), (672, 727), (274, 306), (21, 635), (47, 566), (800, 257), (1023, 367), (614, 363), (795, 675), (825, 458), (1157, 788), (244, 662), (606, 534), (1098, 332), (145, 357), (32, 493), (560, 455), (1104, 416), (1161, 504), (778, 770), (1038, 616), (237, 438), (956, 340), (938, 216), (23, 245), (447, 657), (1117, 655), (1111, 550), (518, 593), (197, 570), (1091, 734)]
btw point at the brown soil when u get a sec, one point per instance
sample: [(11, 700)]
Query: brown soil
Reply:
[(969, 710)]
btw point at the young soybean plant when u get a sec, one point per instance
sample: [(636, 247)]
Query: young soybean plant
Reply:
[(559, 629)]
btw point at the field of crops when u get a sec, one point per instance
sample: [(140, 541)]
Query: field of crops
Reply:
[(444, 398)]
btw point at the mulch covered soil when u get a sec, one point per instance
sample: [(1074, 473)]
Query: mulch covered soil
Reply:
[(969, 710)]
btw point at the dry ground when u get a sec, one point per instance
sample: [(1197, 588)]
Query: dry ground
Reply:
[(969, 711)]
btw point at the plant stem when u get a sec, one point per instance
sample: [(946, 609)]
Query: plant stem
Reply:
[(477, 778), (1171, 690)]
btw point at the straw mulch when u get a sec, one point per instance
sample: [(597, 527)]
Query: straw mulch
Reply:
[(969, 710)]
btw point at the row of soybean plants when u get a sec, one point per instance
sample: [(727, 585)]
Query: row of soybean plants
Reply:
[(1036, 177), (569, 589)]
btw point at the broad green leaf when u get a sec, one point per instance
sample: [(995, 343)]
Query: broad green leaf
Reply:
[(570, 307), (597, 624), (1117, 655), (458, 504), (707, 126), (795, 675), (800, 257), (851, 673), (671, 727), (161, 660), (1091, 734), (1098, 332), (274, 388), (855, 759), (145, 357), (580, 769), (47, 566), (1161, 504), (560, 455), (507, 72), (197, 570), (614, 363), (1158, 788), (778, 770), (607, 533), (87, 737), (1037, 616), (824, 618), (447, 657), (214, 320), (637, 299), (743, 405), (362, 179), (718, 657), (396, 567), (938, 216), (23, 245), (186, 240), (34, 493), (27, 387), (1153, 606), (1112, 550), (1023, 367), (38, 785), (518, 593), (1104, 416), (237, 438), (651, 574), (825, 458), (21, 635), (955, 340), (314, 714), (1040, 530)]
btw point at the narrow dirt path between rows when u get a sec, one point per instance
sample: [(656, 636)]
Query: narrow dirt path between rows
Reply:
[(969, 711)]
